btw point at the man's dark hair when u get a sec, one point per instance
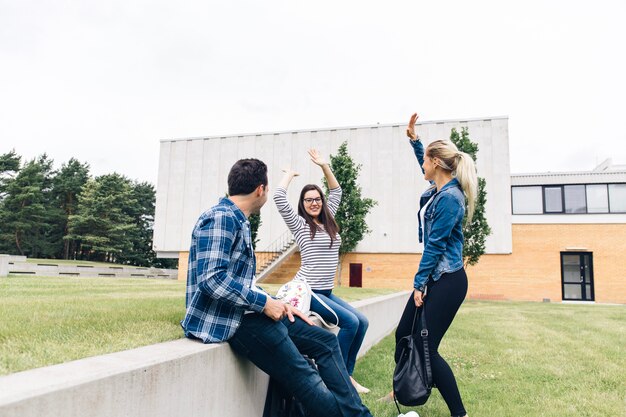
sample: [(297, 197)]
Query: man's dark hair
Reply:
[(245, 176)]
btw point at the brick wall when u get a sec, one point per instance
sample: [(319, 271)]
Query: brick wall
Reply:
[(532, 272)]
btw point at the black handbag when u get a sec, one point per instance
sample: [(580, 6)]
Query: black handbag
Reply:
[(412, 378)]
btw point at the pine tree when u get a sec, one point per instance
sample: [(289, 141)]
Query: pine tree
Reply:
[(353, 208), (475, 232), (67, 185), (9, 167), (141, 211), (28, 216), (102, 225)]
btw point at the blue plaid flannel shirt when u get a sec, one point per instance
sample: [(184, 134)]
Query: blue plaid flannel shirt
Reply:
[(220, 275)]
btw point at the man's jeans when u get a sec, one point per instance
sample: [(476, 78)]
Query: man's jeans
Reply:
[(277, 349)]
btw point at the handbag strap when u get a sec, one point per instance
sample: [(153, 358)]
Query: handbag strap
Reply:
[(424, 335), (330, 326)]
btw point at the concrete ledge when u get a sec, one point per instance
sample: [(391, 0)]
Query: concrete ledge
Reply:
[(4, 265), (52, 269), (177, 378)]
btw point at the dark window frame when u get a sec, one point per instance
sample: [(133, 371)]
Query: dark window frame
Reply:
[(543, 196), (591, 277), (526, 186), (608, 200), (562, 187), (608, 196)]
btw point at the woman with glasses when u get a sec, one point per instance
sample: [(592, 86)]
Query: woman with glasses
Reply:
[(317, 234)]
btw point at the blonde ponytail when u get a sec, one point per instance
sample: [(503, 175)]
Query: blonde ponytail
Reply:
[(462, 167), (466, 175)]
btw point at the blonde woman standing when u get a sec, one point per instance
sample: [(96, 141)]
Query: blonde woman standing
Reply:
[(452, 177)]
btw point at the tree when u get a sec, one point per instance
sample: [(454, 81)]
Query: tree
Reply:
[(141, 211), (27, 216), (102, 224), (67, 185), (353, 208), (9, 166), (478, 229), (255, 223)]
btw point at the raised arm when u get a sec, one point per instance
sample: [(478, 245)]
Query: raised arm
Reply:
[(290, 174), (288, 213), (416, 143), (320, 161)]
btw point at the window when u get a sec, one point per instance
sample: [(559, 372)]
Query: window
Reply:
[(569, 199), (577, 276), (617, 198), (597, 198), (527, 200), (554, 199), (575, 199)]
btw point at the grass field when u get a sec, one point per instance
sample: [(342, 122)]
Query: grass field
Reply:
[(510, 359), (44, 321), (522, 359)]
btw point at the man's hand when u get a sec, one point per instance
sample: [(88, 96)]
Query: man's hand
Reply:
[(418, 298), (410, 129), (274, 309), (292, 311)]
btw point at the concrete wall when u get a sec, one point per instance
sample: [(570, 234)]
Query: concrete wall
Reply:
[(52, 269), (4, 265), (193, 173), (177, 378)]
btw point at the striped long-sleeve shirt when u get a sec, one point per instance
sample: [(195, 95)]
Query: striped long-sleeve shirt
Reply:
[(319, 260)]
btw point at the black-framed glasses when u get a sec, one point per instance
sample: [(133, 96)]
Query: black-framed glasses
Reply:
[(317, 200)]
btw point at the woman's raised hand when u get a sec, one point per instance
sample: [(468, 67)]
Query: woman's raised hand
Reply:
[(410, 129), (317, 158), (291, 172)]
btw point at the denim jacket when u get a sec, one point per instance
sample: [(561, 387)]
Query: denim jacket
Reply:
[(442, 231)]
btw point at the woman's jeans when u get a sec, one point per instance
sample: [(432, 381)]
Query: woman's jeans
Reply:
[(442, 301), (276, 347), (352, 324)]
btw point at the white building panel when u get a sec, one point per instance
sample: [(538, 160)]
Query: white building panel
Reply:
[(193, 175), (561, 178), (160, 211)]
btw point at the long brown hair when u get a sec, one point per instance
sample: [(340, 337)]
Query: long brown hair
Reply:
[(325, 217)]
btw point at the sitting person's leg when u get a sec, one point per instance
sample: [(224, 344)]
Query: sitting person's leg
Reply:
[(267, 344), (352, 328), (322, 346), (362, 325)]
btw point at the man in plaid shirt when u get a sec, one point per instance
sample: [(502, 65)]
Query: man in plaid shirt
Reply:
[(224, 304)]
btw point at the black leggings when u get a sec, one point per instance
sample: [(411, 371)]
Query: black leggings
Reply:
[(443, 299)]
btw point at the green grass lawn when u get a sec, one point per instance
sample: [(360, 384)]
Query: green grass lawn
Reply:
[(44, 321), (521, 359), (510, 359)]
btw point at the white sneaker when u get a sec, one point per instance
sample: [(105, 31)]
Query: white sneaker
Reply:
[(409, 414), (359, 388)]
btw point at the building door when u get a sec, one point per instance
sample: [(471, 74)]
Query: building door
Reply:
[(577, 276)]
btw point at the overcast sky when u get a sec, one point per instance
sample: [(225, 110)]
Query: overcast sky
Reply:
[(104, 81)]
